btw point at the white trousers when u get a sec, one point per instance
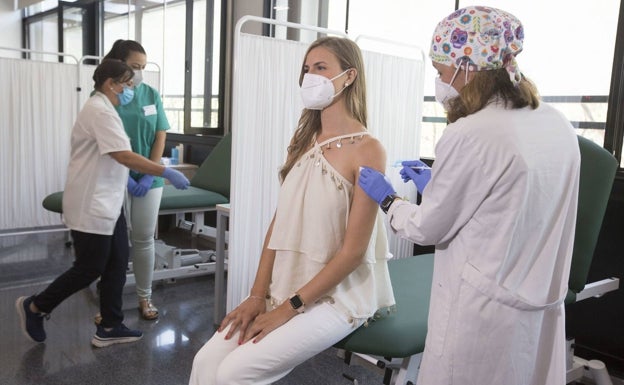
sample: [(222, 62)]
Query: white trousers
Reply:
[(224, 362), (142, 218)]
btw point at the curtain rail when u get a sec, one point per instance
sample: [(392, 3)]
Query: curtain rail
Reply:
[(25, 50)]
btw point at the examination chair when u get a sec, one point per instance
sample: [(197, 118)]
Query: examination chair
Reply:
[(394, 343), (598, 169), (209, 187)]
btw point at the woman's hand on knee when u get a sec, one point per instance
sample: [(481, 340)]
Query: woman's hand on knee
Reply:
[(267, 322), (241, 317)]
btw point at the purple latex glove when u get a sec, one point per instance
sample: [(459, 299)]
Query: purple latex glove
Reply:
[(131, 184), (375, 184), (143, 186), (176, 178), (418, 172)]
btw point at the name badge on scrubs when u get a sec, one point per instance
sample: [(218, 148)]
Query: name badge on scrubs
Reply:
[(149, 110)]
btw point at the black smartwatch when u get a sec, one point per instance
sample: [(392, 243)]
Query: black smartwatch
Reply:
[(387, 202), (296, 303)]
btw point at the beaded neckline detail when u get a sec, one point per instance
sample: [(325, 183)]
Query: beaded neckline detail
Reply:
[(316, 155), (340, 140), (327, 145)]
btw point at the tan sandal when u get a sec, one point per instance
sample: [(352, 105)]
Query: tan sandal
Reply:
[(148, 310)]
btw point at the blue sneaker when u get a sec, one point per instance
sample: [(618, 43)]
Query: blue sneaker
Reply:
[(31, 322), (117, 335)]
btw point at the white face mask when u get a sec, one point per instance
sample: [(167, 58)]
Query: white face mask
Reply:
[(317, 91), (138, 77), (444, 92)]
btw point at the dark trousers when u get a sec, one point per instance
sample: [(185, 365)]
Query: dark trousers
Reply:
[(104, 256)]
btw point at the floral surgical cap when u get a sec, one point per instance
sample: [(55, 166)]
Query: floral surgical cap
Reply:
[(484, 38)]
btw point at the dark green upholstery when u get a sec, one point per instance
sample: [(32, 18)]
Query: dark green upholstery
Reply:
[(402, 333), (598, 169), (54, 202), (210, 185), (192, 198), (214, 172)]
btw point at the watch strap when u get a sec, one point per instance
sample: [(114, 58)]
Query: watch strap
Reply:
[(387, 202), (297, 303)]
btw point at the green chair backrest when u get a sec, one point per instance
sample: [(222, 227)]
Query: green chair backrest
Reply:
[(598, 169), (214, 172)]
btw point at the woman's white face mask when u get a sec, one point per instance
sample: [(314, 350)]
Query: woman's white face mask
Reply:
[(317, 91), (445, 91)]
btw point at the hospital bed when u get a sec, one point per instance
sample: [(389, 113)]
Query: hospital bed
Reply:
[(394, 344), (209, 187)]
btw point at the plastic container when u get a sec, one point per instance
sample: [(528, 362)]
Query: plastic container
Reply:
[(180, 148), (174, 156)]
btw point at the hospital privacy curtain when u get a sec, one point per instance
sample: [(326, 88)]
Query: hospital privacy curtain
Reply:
[(266, 108), (40, 104), (37, 113)]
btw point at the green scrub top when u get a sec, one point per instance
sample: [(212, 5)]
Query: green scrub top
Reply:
[(142, 118)]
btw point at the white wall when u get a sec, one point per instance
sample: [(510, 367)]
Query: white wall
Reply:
[(11, 22)]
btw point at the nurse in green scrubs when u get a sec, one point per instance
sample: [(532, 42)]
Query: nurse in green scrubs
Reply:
[(145, 123)]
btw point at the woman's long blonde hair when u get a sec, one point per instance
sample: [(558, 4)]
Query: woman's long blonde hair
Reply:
[(349, 56), (487, 85)]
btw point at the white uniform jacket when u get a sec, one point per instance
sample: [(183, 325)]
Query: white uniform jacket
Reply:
[(96, 183), (501, 210)]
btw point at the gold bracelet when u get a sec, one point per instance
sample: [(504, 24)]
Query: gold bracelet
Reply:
[(256, 297)]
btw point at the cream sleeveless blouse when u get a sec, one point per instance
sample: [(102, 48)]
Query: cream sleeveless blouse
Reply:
[(309, 228)]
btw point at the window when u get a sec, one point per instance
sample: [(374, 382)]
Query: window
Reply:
[(42, 27), (40, 7), (570, 66), (163, 36), (43, 36), (206, 54), (187, 55), (72, 31), (118, 23)]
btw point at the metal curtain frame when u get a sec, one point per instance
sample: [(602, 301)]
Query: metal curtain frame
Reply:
[(416, 48), (26, 50)]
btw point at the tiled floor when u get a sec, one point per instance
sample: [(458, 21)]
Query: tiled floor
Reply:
[(163, 356)]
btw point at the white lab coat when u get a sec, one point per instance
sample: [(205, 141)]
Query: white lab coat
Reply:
[(96, 183), (501, 210)]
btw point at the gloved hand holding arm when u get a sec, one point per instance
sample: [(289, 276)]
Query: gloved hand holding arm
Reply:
[(375, 184), (176, 178), (143, 186), (416, 171)]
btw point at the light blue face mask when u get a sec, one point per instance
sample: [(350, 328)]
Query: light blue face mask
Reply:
[(125, 96)]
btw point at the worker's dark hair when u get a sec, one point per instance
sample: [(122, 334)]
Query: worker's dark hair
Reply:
[(122, 48), (111, 69)]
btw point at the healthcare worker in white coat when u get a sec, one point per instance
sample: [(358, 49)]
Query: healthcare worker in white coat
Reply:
[(92, 208), (499, 204)]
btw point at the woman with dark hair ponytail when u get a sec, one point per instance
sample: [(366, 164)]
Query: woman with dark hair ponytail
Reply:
[(145, 122)]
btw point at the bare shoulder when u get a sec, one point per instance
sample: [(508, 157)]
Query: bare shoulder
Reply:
[(371, 153)]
